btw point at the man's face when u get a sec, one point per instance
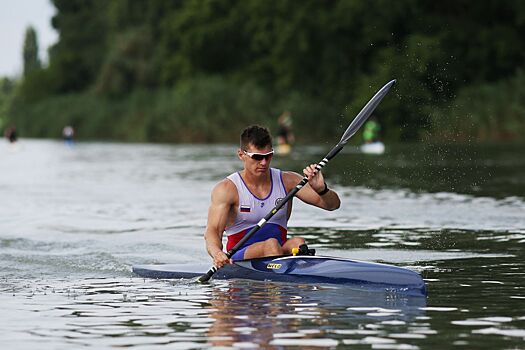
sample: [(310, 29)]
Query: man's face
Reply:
[(256, 160)]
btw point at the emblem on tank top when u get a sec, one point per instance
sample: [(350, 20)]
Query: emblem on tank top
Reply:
[(262, 204)]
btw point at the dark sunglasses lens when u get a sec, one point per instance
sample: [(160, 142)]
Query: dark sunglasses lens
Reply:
[(259, 157)]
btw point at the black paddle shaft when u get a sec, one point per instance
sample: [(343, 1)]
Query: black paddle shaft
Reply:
[(350, 131)]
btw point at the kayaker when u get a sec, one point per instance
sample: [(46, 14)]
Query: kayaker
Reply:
[(11, 135), (241, 200), (371, 131), (68, 133), (285, 136)]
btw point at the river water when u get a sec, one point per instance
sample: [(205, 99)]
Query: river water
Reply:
[(75, 219)]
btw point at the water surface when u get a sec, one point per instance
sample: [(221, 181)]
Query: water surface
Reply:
[(74, 220)]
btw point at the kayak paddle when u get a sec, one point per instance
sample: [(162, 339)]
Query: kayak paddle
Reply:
[(350, 131)]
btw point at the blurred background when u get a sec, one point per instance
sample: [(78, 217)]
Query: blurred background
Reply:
[(200, 70)]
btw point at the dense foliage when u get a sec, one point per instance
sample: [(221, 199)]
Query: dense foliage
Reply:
[(198, 70), (7, 88)]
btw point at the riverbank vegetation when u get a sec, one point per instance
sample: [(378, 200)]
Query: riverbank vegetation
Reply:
[(200, 70)]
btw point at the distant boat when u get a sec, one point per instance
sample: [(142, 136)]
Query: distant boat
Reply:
[(377, 147)]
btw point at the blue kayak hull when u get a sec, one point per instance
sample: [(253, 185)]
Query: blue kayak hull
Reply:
[(301, 269)]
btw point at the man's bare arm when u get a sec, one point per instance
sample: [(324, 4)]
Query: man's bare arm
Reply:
[(222, 199)]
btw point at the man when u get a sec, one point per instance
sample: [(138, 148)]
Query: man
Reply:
[(243, 198)]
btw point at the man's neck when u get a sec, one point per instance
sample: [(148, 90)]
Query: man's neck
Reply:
[(256, 179)]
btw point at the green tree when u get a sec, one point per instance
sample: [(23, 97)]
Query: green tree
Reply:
[(30, 54), (311, 57), (76, 59)]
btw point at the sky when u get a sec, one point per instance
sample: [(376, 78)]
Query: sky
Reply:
[(15, 17)]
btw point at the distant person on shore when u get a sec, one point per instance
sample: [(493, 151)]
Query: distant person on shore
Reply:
[(67, 134), (10, 134), (371, 131), (285, 136)]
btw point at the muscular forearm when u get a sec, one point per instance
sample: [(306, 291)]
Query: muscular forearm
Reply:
[(330, 200), (214, 248), (213, 244)]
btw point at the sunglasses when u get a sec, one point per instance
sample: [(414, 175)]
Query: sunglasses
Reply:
[(259, 156)]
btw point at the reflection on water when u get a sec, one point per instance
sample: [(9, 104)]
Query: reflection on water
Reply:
[(75, 219), (124, 312), (496, 171), (302, 315), (133, 312)]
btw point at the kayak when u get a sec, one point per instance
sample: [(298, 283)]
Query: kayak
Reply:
[(377, 147), (301, 269)]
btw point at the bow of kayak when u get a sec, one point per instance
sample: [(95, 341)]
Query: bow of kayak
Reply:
[(301, 269)]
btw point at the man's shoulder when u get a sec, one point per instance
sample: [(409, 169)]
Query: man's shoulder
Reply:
[(224, 190), (224, 185)]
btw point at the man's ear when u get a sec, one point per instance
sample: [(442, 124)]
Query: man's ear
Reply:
[(239, 153)]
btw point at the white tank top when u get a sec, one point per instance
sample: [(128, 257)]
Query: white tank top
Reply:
[(252, 209)]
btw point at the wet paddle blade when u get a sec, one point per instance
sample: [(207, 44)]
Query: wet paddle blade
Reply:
[(366, 112)]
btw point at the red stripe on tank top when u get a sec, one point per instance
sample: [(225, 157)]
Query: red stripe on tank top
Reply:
[(236, 237)]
